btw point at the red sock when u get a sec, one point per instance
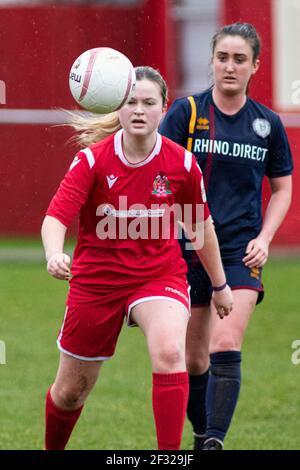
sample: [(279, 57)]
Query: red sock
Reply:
[(59, 424), (169, 398)]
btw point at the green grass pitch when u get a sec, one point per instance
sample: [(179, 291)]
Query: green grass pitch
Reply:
[(118, 414)]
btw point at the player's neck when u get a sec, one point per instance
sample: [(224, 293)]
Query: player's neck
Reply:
[(228, 104), (138, 148)]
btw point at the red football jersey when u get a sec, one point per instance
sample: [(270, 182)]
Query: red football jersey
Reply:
[(127, 233)]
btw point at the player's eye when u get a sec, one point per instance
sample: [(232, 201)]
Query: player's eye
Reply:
[(240, 59)]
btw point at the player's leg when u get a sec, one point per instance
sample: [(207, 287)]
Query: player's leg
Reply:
[(164, 324), (225, 369), (197, 360), (197, 349), (65, 399), (88, 336)]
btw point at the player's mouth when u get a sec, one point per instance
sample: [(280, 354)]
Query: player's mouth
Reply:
[(229, 79), (138, 122)]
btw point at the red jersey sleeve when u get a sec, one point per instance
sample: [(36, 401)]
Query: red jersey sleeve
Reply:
[(193, 194), (74, 189)]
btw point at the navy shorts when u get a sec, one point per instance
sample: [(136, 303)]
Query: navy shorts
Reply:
[(238, 276)]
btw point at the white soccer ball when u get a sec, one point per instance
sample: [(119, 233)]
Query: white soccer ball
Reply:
[(101, 80)]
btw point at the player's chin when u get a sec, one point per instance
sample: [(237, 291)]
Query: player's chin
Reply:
[(231, 88), (139, 130), (145, 132)]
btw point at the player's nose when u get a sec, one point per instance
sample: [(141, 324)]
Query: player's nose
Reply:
[(139, 109), (230, 66)]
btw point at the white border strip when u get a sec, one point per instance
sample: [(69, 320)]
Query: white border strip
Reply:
[(119, 150), (290, 119), (147, 299), (82, 358), (89, 155), (38, 116), (55, 116), (187, 160)]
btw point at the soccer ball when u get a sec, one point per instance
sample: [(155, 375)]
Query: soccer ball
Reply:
[(101, 80)]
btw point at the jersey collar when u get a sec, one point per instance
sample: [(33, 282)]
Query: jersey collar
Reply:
[(120, 153)]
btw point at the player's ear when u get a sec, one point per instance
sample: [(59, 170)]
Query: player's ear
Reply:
[(256, 66), (163, 114)]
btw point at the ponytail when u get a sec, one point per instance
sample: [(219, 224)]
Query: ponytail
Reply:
[(93, 129)]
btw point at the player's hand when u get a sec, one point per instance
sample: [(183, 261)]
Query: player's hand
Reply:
[(58, 266), (257, 252), (223, 301)]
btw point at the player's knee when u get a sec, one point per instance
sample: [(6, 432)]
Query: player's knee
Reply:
[(71, 396), (197, 363), (226, 342), (169, 357)]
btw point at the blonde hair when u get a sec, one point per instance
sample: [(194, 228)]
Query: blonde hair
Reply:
[(92, 129)]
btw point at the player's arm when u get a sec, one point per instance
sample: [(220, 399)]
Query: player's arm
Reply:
[(72, 194), (53, 237), (279, 170), (200, 229), (258, 249), (210, 257)]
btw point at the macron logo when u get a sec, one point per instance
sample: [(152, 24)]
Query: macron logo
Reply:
[(178, 292), (111, 180), (74, 163)]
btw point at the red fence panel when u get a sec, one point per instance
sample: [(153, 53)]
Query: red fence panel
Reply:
[(38, 46)]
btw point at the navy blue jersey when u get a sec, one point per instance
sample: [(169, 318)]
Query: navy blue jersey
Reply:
[(234, 153)]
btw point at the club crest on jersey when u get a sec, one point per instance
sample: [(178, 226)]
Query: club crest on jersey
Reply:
[(202, 124), (161, 186), (261, 127)]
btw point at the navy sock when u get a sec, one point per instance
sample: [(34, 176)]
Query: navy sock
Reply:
[(196, 410), (222, 392)]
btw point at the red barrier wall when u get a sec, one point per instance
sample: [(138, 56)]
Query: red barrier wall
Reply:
[(37, 47), (289, 233), (259, 13)]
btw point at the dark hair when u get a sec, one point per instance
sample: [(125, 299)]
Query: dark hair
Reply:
[(145, 72), (244, 30)]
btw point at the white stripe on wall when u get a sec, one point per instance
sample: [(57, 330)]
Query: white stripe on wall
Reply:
[(37, 116), (285, 53), (52, 116)]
